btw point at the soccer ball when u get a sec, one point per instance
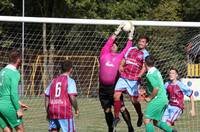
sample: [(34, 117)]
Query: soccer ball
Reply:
[(127, 27)]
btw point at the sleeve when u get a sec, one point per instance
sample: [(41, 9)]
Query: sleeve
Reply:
[(72, 90), (154, 82), (14, 91), (107, 47), (186, 91), (47, 91), (146, 53), (166, 85), (148, 85), (127, 52), (128, 46)]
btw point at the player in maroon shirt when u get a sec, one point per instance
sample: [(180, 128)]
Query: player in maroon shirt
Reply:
[(176, 90), (60, 97), (131, 70)]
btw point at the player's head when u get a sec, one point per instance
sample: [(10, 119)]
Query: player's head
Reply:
[(66, 66), (173, 74), (114, 48), (143, 42), (15, 58), (149, 61)]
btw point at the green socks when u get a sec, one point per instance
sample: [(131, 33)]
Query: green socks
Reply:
[(149, 127), (164, 126)]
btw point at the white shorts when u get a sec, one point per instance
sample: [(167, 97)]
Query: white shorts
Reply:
[(130, 86), (171, 114), (67, 125)]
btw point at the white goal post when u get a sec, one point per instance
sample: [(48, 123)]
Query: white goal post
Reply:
[(97, 21)]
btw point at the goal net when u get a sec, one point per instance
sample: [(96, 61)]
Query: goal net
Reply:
[(44, 44)]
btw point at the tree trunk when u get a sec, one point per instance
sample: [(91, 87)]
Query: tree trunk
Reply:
[(51, 53), (44, 44), (52, 40)]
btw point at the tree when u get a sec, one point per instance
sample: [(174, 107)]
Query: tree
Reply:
[(6, 7), (191, 10)]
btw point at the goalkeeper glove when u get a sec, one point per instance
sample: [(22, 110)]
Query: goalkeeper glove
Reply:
[(119, 29), (130, 34)]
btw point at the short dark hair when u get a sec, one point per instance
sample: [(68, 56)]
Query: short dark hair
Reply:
[(175, 69), (150, 61), (66, 65), (14, 55), (144, 37)]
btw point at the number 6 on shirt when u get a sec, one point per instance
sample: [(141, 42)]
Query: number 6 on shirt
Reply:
[(58, 89)]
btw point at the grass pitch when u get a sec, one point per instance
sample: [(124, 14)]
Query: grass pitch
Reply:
[(91, 117)]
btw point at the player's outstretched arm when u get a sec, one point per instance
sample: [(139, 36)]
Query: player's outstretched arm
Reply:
[(130, 34), (129, 43), (23, 106), (74, 103), (152, 95), (119, 29), (188, 92), (107, 47), (192, 112), (121, 66)]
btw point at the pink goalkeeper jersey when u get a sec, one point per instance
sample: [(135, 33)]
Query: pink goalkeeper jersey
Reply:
[(58, 92), (109, 62)]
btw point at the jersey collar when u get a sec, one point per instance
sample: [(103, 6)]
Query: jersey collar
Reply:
[(138, 48), (151, 70), (170, 82), (9, 66)]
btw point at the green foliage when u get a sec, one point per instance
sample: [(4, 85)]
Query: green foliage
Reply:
[(82, 9), (107, 9), (6, 6), (126, 9), (6, 43), (191, 10), (166, 10)]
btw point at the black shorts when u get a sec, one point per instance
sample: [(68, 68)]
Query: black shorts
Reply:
[(106, 96)]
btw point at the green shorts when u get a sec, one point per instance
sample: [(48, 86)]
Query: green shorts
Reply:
[(155, 109), (8, 116)]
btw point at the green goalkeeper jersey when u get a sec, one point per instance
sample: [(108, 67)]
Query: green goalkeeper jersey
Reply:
[(155, 80), (9, 81)]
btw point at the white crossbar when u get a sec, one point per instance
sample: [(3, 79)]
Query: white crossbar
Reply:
[(96, 21)]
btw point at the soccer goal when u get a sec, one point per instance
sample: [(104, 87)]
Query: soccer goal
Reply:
[(45, 42)]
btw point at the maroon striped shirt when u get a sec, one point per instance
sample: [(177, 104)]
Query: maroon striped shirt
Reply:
[(59, 102), (134, 59)]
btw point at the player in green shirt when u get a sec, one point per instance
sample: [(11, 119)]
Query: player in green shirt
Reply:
[(156, 98), (10, 107)]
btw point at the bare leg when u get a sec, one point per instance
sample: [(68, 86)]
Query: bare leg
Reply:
[(7, 129)]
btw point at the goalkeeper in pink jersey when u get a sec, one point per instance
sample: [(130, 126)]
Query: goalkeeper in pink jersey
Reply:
[(109, 65), (176, 91), (131, 69), (60, 97)]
